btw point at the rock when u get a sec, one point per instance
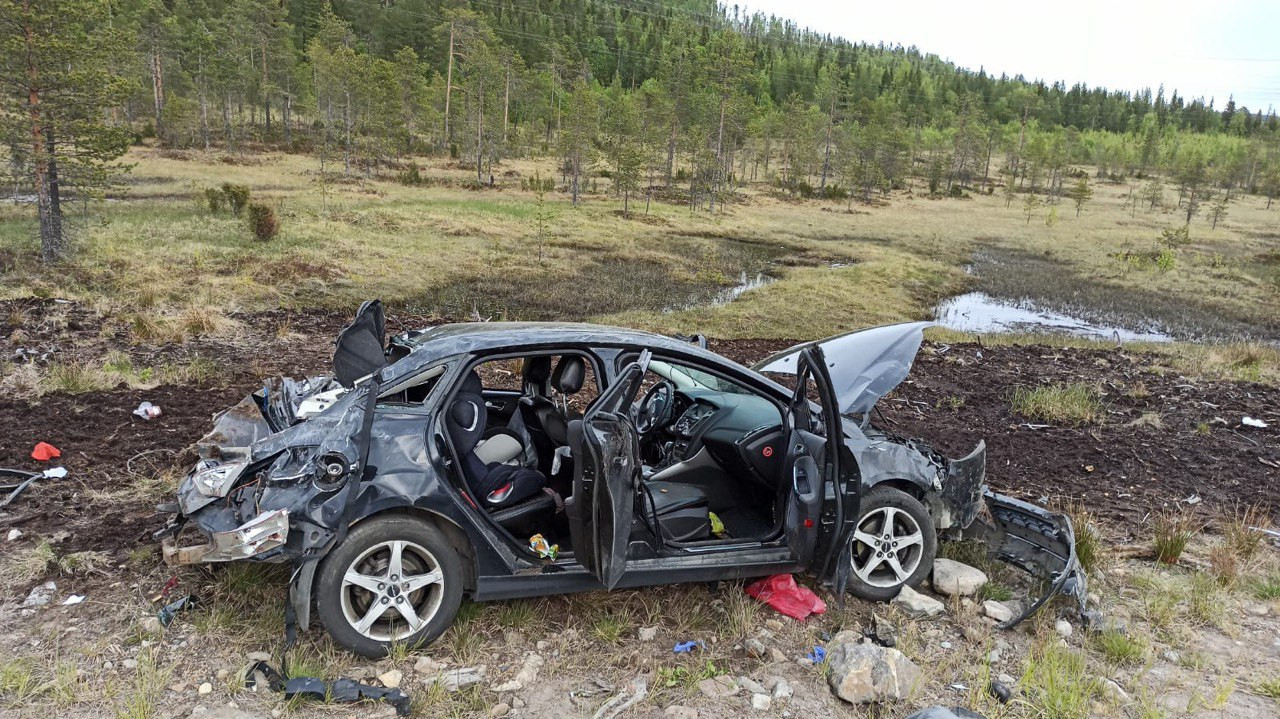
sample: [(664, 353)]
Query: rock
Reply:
[(205, 688), (13, 534), (1001, 691), (500, 710), (1006, 679), (223, 674), (517, 703), (454, 679), (752, 685), (1115, 692), (1172, 656), (918, 605), (648, 634), (107, 665), (997, 611), (956, 579), (1063, 628), (1257, 610), (718, 687), (993, 656), (945, 713), (761, 702), (258, 656), (391, 679), (881, 632), (782, 690), (755, 648), (151, 625), (675, 711), (777, 655), (527, 675), (774, 624), (866, 673), (41, 595), (129, 663), (427, 665)]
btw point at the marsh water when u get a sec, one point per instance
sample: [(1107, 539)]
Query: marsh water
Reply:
[(980, 313)]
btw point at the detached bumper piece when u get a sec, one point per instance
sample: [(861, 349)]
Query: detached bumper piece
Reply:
[(263, 533), (1040, 543)]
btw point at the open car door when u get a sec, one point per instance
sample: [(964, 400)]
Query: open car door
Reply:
[(606, 476), (813, 454)]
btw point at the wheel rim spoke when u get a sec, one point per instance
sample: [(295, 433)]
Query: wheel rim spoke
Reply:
[(909, 540), (864, 572), (377, 609), (364, 581), (865, 538), (410, 616), (418, 581), (900, 573), (395, 567)]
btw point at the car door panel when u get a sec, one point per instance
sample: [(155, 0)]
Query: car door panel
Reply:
[(812, 463)]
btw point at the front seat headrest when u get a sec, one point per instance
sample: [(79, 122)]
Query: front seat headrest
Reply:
[(570, 373), (537, 370)]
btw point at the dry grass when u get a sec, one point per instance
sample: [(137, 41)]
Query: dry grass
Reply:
[(1243, 529), (1172, 530)]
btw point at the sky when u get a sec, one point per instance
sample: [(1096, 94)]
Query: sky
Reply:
[(1209, 48)]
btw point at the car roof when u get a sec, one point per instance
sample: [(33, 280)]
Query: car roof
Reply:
[(473, 337)]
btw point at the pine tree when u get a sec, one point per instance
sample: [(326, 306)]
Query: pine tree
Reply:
[(1030, 205), (1080, 193), (56, 58)]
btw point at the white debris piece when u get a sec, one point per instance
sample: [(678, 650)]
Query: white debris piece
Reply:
[(146, 410), (1251, 422), (73, 599)]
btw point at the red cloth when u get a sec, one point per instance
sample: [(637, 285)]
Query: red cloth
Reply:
[(45, 452), (783, 594)]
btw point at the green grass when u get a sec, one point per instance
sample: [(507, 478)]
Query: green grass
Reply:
[(1120, 648), (1073, 404), (1172, 531), (1269, 687), (1266, 587), (1057, 682)]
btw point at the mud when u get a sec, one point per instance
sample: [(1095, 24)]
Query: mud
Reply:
[(1122, 469)]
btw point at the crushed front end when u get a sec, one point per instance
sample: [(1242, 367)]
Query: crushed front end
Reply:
[(272, 482)]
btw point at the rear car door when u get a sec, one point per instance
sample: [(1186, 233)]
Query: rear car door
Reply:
[(607, 473), (813, 456)]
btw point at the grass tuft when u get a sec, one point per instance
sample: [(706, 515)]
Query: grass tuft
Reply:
[(1058, 682), (1243, 529), (1173, 530), (1090, 544), (1120, 648), (1073, 404)]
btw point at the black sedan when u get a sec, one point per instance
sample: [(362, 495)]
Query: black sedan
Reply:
[(502, 460)]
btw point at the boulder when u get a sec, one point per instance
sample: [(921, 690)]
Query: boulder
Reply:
[(917, 604), (867, 673), (956, 579), (997, 611)]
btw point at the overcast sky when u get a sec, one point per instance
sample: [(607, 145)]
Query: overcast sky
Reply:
[(1209, 48)]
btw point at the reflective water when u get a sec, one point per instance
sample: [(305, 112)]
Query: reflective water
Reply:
[(746, 282), (981, 313)]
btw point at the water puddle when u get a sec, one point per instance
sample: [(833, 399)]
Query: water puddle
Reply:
[(980, 313), (746, 282)]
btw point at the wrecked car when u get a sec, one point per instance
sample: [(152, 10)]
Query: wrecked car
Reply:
[(457, 461)]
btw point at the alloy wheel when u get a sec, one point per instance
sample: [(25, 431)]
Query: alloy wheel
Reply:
[(888, 547), (392, 590)]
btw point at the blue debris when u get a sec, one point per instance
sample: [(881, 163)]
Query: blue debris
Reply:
[(687, 647), (818, 655)]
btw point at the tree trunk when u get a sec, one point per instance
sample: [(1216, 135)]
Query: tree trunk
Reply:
[(826, 153), (287, 110), (157, 90), (52, 243), (204, 106), (479, 133), (506, 106), (346, 144), (448, 88), (266, 94)]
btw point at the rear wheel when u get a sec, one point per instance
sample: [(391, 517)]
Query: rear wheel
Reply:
[(894, 544), (394, 579)]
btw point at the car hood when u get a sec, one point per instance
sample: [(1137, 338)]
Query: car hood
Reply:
[(864, 365)]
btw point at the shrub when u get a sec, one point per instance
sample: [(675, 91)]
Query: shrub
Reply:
[(1166, 260), (237, 196), (263, 222), (411, 176), (215, 199)]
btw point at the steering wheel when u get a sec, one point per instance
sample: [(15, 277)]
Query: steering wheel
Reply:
[(656, 408)]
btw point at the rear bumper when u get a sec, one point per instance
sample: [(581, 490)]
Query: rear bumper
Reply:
[(259, 535), (1040, 543)]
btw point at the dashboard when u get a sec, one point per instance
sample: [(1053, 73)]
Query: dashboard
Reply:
[(741, 432)]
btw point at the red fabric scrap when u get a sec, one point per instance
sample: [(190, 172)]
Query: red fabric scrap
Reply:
[(783, 594), (45, 452)]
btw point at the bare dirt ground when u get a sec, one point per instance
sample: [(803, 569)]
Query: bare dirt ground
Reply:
[(1164, 439)]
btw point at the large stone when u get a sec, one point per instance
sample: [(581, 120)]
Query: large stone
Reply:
[(956, 579), (428, 666), (454, 679), (917, 604), (761, 702), (1115, 692), (718, 687), (997, 611), (867, 673), (527, 675), (391, 679)]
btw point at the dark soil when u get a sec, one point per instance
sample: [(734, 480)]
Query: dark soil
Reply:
[(956, 396)]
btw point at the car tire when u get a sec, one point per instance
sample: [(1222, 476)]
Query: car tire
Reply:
[(363, 607), (913, 543)]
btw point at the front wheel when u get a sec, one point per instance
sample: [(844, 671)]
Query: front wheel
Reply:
[(894, 544), (394, 579)]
